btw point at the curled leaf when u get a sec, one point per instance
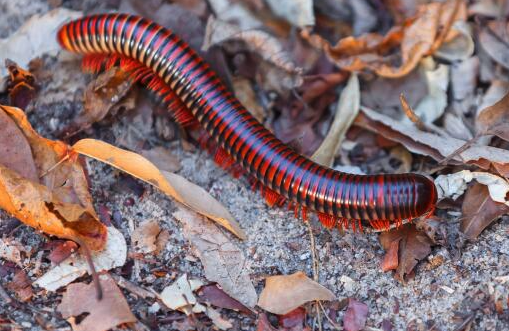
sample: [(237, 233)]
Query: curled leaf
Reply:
[(54, 197)]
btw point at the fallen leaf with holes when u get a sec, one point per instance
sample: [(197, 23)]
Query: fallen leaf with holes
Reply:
[(43, 184), (479, 210), (285, 293), (413, 247), (455, 184), (494, 39), (21, 85), (35, 38), (495, 119), (346, 111), (355, 316), (112, 256), (107, 313), (21, 285), (426, 143), (144, 237), (171, 184), (213, 295), (103, 96), (418, 37), (179, 295), (223, 262)]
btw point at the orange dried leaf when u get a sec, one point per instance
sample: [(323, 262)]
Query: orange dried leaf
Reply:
[(171, 184), (413, 247), (55, 199), (285, 293), (495, 119)]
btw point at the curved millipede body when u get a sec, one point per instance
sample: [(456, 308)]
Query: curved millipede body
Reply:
[(378, 200)]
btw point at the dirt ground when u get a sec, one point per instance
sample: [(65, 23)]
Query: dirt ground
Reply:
[(450, 286)]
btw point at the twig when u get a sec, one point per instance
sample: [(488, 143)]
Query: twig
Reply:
[(65, 158), (334, 325), (315, 267), (133, 288), (93, 272), (461, 149)]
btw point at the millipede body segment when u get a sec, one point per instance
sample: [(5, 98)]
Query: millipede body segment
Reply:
[(179, 72)]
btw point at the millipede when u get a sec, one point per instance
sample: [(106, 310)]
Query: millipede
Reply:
[(195, 95)]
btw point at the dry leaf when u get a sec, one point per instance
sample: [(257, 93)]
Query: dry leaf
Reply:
[(55, 199), (495, 119), (294, 320), (61, 250), (283, 294), (35, 38), (297, 12), (355, 315), (21, 285), (464, 76), (479, 211), (247, 97), (171, 184), (100, 315), (11, 251), (459, 48), (213, 295), (430, 144), (144, 237), (114, 255), (234, 12), (103, 95), (21, 85), (256, 41), (455, 184), (224, 263), (346, 111), (179, 295), (432, 106), (162, 158), (413, 247), (264, 324), (494, 39), (418, 37), (391, 260)]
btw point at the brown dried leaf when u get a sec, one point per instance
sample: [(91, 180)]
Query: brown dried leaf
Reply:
[(479, 211), (21, 285), (61, 250), (171, 184), (21, 85), (144, 237), (417, 38), (494, 39), (247, 97), (495, 119), (212, 294), (391, 260), (57, 200), (355, 315), (294, 320), (285, 293), (104, 95), (80, 298), (413, 247), (223, 261), (264, 324)]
